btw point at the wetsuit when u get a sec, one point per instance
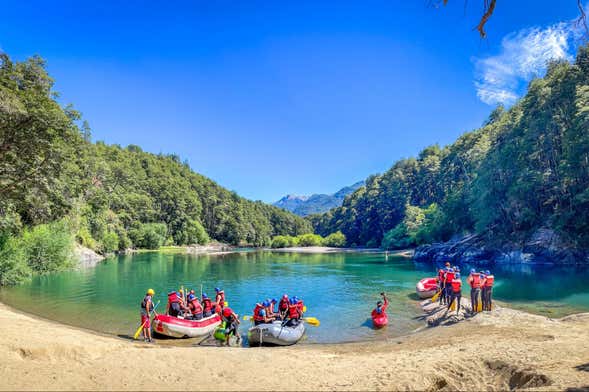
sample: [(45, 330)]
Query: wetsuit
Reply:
[(474, 280), (456, 290), (231, 326), (488, 293)]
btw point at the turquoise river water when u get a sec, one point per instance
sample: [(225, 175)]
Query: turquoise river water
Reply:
[(340, 289)]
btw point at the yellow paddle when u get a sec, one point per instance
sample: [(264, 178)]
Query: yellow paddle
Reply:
[(453, 305), (436, 295), (479, 303), (142, 325), (309, 320)]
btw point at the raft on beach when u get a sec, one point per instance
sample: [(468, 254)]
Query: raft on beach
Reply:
[(176, 327), (275, 333), (426, 287)]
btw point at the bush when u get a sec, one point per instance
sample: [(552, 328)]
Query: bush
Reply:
[(13, 263), (110, 242), (396, 238), (149, 235), (196, 233), (49, 247), (281, 241), (337, 239), (310, 240)]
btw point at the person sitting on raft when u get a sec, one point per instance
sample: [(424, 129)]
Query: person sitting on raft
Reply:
[(487, 291), (195, 307), (283, 306), (381, 307), (260, 314), (146, 309), (270, 308), (231, 324), (219, 300), (294, 313), (207, 305), (456, 287), (175, 306)]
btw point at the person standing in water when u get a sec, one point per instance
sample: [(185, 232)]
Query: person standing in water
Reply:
[(146, 309)]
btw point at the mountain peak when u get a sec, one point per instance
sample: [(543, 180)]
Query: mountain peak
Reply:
[(315, 203)]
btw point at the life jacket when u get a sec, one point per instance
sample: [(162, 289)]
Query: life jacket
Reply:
[(207, 304), (441, 275), (449, 276), (144, 303), (196, 306), (173, 297), (300, 304), (475, 283), (456, 285), (489, 281), (257, 316), (283, 305), (293, 311), (220, 298)]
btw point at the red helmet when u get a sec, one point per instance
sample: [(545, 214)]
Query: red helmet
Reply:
[(285, 296), (227, 312)]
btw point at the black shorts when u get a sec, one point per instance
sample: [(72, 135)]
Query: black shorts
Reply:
[(231, 329)]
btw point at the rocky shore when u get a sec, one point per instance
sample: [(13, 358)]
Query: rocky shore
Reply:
[(543, 246)]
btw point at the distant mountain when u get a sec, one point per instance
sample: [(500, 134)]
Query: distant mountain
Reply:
[(316, 203)]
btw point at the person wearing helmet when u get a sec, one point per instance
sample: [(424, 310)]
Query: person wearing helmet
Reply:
[(448, 277), (269, 307), (294, 313), (195, 307), (260, 313), (283, 306), (381, 307), (146, 309), (487, 290), (219, 300), (232, 322), (456, 290), (207, 305), (474, 280)]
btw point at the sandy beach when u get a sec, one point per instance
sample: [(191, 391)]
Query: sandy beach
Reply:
[(504, 349)]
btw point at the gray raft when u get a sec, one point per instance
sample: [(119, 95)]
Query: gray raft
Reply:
[(275, 334)]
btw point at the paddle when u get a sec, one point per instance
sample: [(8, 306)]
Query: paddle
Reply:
[(453, 305), (479, 303), (436, 295), (142, 325), (309, 320)]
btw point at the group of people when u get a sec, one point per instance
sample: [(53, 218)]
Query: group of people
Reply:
[(189, 306), (289, 309), (481, 288)]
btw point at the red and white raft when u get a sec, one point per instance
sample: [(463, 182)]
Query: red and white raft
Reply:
[(182, 328), (426, 287)]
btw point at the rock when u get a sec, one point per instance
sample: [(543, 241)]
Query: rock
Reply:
[(543, 246), (87, 257)]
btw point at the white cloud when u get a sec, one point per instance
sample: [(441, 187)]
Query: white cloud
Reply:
[(523, 56)]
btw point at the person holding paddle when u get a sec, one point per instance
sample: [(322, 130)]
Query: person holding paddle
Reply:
[(146, 309)]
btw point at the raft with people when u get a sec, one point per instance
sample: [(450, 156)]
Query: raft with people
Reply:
[(177, 327), (276, 333), (379, 314)]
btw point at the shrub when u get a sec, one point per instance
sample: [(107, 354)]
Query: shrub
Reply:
[(110, 242), (196, 233), (337, 239), (149, 235), (281, 241), (310, 240), (13, 263), (49, 247)]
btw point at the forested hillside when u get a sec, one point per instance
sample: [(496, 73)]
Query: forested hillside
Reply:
[(54, 182), (527, 168)]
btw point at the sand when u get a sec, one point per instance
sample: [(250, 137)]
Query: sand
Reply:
[(504, 349)]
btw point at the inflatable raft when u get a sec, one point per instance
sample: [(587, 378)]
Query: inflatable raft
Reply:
[(275, 334), (426, 287), (182, 328)]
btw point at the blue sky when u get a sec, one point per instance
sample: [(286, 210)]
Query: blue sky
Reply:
[(269, 98)]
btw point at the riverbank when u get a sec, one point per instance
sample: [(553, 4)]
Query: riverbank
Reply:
[(505, 349)]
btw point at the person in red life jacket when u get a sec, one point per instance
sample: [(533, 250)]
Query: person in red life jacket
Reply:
[(441, 285), (294, 313), (146, 309), (270, 308), (448, 277), (381, 307), (487, 290), (207, 305), (195, 307), (456, 290), (260, 314), (474, 280), (219, 300), (299, 303), (283, 306), (231, 324), (175, 304)]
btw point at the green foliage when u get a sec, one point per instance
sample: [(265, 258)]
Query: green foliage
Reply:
[(48, 247), (281, 241), (337, 240), (110, 242), (13, 262), (149, 235), (310, 240)]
